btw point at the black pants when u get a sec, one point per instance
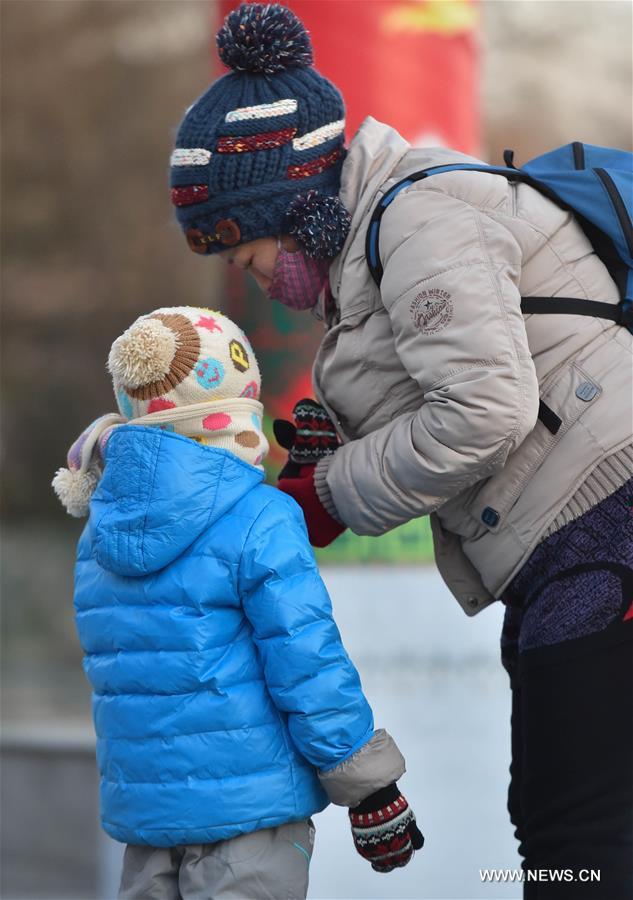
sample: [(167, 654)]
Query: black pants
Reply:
[(571, 790)]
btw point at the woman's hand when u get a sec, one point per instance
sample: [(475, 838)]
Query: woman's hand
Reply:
[(311, 438)]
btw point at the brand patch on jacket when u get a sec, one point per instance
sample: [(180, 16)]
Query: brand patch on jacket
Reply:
[(431, 310)]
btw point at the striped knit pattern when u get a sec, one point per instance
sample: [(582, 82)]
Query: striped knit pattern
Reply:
[(315, 166), (315, 436), (262, 111), (322, 488), (268, 140), (192, 193), (382, 836), (319, 135), (190, 156), (606, 478)]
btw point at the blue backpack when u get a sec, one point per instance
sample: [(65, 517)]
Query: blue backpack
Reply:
[(595, 184)]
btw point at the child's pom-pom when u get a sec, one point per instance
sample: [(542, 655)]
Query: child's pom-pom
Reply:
[(75, 489), (263, 37), (142, 354), (319, 223)]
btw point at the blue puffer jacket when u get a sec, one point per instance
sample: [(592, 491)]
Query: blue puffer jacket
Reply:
[(220, 681)]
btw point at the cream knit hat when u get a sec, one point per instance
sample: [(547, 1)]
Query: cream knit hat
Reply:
[(182, 369), (181, 355)]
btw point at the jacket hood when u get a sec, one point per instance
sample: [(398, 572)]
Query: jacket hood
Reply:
[(158, 493)]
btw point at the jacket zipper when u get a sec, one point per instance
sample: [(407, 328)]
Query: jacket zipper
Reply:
[(619, 207)]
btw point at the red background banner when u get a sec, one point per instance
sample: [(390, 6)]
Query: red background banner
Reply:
[(411, 64)]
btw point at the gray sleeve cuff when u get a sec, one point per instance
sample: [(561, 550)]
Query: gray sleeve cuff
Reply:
[(377, 764), (322, 488)]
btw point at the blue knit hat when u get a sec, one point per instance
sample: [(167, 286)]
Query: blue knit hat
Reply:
[(260, 153)]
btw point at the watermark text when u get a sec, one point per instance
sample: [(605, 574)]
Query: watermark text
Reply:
[(496, 876)]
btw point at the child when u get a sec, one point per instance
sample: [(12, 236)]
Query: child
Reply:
[(226, 708)]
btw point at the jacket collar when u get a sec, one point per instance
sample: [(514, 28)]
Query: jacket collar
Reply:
[(374, 151)]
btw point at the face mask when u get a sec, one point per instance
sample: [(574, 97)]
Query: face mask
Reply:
[(298, 279)]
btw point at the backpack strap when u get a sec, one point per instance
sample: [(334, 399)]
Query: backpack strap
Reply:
[(372, 252), (620, 313)]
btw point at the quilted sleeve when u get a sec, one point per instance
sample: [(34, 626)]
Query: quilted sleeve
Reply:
[(308, 672), (450, 287)]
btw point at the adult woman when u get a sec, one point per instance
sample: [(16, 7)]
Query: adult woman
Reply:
[(435, 381)]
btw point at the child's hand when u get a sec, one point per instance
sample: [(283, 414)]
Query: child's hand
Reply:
[(310, 439), (384, 829)]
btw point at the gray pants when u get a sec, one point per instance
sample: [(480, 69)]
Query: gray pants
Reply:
[(271, 864)]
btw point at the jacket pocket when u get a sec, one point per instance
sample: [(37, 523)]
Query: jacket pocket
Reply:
[(568, 396)]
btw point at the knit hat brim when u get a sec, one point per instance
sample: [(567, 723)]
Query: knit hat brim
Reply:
[(257, 212)]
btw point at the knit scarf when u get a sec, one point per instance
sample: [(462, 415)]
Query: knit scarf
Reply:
[(234, 425)]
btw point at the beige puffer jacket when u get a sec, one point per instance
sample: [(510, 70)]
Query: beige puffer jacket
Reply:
[(435, 379)]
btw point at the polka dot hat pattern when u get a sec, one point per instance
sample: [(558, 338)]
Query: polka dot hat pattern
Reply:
[(176, 356)]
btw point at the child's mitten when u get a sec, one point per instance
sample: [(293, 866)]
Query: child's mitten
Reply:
[(384, 829), (311, 438)]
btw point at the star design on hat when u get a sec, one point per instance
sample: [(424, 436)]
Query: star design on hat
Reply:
[(208, 322)]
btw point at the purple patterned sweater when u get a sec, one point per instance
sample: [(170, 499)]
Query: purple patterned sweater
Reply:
[(576, 582)]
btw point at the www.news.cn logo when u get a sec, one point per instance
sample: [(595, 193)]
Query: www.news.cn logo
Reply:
[(509, 875)]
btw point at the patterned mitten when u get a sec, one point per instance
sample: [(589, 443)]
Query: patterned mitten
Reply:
[(384, 829), (311, 438)]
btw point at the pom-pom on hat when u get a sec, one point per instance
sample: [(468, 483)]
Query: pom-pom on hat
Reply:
[(178, 356), (258, 38), (182, 369), (262, 138)]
